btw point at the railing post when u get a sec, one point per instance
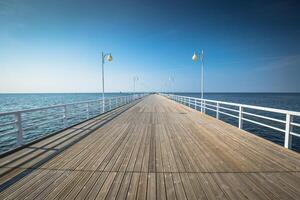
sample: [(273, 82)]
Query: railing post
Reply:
[(288, 136), (189, 102), (201, 106), (195, 104), (240, 117), (109, 104), (20, 129), (204, 106), (88, 111), (65, 116), (217, 112), (103, 105)]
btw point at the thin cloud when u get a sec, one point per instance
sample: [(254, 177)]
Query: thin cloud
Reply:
[(7, 7), (281, 63), (13, 7)]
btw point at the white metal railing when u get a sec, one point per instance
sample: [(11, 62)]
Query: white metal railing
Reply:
[(254, 114), (14, 125)]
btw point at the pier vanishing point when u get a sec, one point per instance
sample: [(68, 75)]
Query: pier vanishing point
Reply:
[(151, 148)]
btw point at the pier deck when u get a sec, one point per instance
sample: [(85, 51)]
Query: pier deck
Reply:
[(153, 148)]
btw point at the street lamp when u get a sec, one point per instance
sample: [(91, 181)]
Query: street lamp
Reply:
[(171, 80), (108, 57), (195, 58), (135, 78)]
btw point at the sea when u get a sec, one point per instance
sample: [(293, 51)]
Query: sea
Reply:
[(286, 101)]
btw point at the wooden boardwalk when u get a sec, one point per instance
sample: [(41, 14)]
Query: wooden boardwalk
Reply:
[(151, 149)]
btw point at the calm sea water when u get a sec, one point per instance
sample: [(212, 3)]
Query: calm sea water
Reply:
[(13, 102), (287, 101), (48, 121)]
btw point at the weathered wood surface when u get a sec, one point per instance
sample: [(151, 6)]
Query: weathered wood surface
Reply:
[(152, 149)]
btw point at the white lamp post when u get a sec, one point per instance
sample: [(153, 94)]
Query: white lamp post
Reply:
[(108, 57), (135, 78), (171, 80), (195, 58)]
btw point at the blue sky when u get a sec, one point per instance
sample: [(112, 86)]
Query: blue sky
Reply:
[(55, 46)]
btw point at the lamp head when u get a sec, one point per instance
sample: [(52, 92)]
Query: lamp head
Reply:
[(109, 58), (135, 78), (195, 57)]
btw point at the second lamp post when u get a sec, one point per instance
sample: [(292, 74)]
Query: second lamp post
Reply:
[(195, 58), (108, 57)]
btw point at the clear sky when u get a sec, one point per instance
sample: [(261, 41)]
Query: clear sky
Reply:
[(55, 46)]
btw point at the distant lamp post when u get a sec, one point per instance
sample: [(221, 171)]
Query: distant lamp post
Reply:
[(135, 78), (171, 80), (195, 58), (108, 57)]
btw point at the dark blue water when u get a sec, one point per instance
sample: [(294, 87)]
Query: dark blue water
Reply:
[(286, 101)]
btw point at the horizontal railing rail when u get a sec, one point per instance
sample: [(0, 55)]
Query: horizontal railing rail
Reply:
[(18, 128), (285, 121)]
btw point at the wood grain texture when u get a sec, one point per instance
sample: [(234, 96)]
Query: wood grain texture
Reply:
[(151, 149)]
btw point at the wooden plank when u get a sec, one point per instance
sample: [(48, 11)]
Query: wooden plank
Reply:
[(210, 187), (151, 189), (152, 150), (98, 185), (142, 186), (189, 191), (115, 186), (61, 186), (88, 186), (137, 149), (198, 190), (179, 189), (133, 188), (52, 185), (160, 186), (124, 186), (106, 186)]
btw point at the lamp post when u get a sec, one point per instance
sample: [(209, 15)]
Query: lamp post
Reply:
[(195, 58), (171, 80), (108, 57), (135, 78)]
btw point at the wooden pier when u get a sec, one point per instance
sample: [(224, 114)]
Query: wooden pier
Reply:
[(153, 148)]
